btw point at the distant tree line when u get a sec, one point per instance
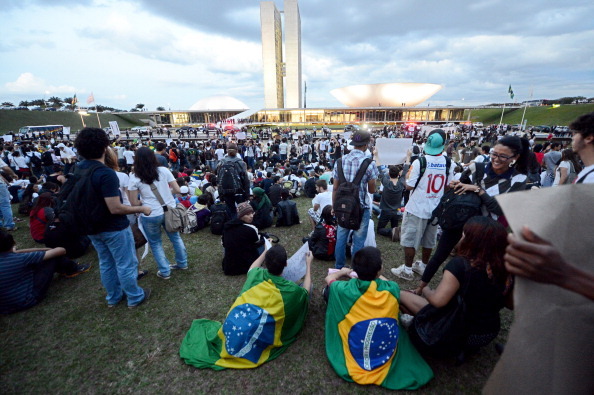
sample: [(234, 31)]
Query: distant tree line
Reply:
[(56, 102)]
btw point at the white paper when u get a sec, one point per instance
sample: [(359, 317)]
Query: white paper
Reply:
[(115, 128), (240, 135), (392, 151), (66, 130), (296, 265), (267, 244), (7, 137)]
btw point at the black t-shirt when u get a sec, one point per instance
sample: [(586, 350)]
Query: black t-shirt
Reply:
[(483, 298)]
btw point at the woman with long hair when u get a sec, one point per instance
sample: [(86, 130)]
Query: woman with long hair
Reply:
[(147, 176), (478, 274), (568, 168), (41, 213), (504, 173)]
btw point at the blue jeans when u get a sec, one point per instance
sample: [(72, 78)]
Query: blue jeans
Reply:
[(5, 208), (359, 237), (118, 265), (152, 228)]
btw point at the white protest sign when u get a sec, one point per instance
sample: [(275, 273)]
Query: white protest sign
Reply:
[(66, 130), (392, 151), (7, 138), (296, 265), (115, 128), (240, 135)]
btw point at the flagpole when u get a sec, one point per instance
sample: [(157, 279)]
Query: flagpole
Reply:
[(97, 112), (501, 120), (524, 113)]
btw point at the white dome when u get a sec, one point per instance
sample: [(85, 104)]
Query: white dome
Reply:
[(220, 102), (385, 95)]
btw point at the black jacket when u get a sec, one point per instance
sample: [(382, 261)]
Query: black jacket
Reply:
[(241, 242), (287, 214)]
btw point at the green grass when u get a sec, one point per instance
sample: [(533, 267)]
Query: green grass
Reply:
[(535, 116), (72, 342), (13, 120)]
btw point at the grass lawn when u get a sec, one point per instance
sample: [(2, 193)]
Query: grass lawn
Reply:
[(72, 342)]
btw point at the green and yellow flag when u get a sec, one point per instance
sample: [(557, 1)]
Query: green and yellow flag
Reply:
[(364, 340), (264, 320)]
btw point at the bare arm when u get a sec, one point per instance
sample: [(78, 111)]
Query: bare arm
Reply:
[(371, 186), (258, 262), (117, 208), (336, 183), (54, 253), (345, 271), (444, 292), (564, 173), (538, 260), (307, 280), (174, 187)]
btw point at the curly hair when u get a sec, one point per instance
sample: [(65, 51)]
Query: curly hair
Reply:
[(146, 165), (91, 143)]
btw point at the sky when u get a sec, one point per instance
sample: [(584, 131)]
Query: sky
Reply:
[(174, 53)]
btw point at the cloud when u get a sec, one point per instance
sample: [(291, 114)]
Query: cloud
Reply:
[(29, 84)]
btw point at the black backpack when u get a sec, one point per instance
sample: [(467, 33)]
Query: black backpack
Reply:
[(192, 156), (454, 210), (347, 205), (46, 158), (35, 160), (229, 179), (218, 217)]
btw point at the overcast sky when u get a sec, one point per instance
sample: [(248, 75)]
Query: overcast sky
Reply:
[(173, 53)]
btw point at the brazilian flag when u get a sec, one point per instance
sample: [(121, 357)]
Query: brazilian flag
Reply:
[(364, 340), (264, 320)]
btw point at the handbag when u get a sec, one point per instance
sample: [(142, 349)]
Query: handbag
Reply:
[(174, 217), (443, 328), (139, 239)]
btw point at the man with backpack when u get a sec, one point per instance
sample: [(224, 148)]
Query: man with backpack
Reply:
[(95, 201), (427, 179), (232, 179), (354, 178)]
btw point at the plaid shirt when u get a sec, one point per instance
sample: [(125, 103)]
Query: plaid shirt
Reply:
[(350, 165)]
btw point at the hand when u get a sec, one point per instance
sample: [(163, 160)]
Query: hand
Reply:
[(308, 258), (535, 259), (146, 210), (460, 188), (417, 291), (346, 271)]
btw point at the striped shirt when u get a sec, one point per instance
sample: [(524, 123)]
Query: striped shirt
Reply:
[(17, 272)]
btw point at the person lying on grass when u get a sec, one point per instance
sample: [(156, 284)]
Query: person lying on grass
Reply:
[(25, 275), (365, 342), (262, 322)]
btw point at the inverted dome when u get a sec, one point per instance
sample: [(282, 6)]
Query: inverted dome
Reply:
[(220, 102), (402, 94)]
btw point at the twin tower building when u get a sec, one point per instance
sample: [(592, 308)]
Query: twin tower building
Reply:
[(281, 63)]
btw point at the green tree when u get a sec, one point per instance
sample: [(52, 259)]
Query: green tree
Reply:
[(139, 107), (7, 104), (160, 108), (24, 103), (55, 101)]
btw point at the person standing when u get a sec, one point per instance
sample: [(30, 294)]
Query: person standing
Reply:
[(550, 160), (111, 236), (350, 166), (5, 197), (232, 179)]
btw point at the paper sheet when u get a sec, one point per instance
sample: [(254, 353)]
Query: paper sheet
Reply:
[(392, 151), (296, 265), (66, 130), (115, 128), (240, 135), (7, 138), (550, 347)]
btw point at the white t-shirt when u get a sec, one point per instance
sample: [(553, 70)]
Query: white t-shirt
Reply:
[(129, 156), (590, 178), (220, 153), (124, 181), (426, 196), (563, 165), (323, 199), (148, 197), (282, 148)]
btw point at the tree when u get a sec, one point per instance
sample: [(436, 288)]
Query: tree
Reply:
[(139, 107), (24, 103), (55, 101), (7, 104), (160, 108)]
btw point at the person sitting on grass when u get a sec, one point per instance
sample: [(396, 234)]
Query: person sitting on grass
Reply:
[(41, 214), (263, 321), (286, 210), (365, 343), (263, 209), (323, 238), (25, 275)]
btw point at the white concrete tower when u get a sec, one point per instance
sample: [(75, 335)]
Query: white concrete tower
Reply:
[(292, 29), (272, 54)]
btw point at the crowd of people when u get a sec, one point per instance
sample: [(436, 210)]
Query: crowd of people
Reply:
[(110, 193)]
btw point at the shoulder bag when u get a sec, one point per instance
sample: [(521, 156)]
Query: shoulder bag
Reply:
[(174, 217)]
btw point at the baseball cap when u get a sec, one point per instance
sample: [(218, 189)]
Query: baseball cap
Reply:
[(435, 142), (184, 189), (360, 138)]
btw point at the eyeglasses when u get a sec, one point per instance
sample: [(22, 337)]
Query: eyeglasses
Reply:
[(502, 157)]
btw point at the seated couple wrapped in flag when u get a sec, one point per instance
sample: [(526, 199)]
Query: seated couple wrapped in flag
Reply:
[(264, 320), (365, 342)]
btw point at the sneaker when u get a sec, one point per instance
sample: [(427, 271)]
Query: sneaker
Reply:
[(12, 229), (403, 272), (147, 294), (141, 274), (177, 267), (80, 268), (396, 234), (419, 267), (164, 277), (406, 320)]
